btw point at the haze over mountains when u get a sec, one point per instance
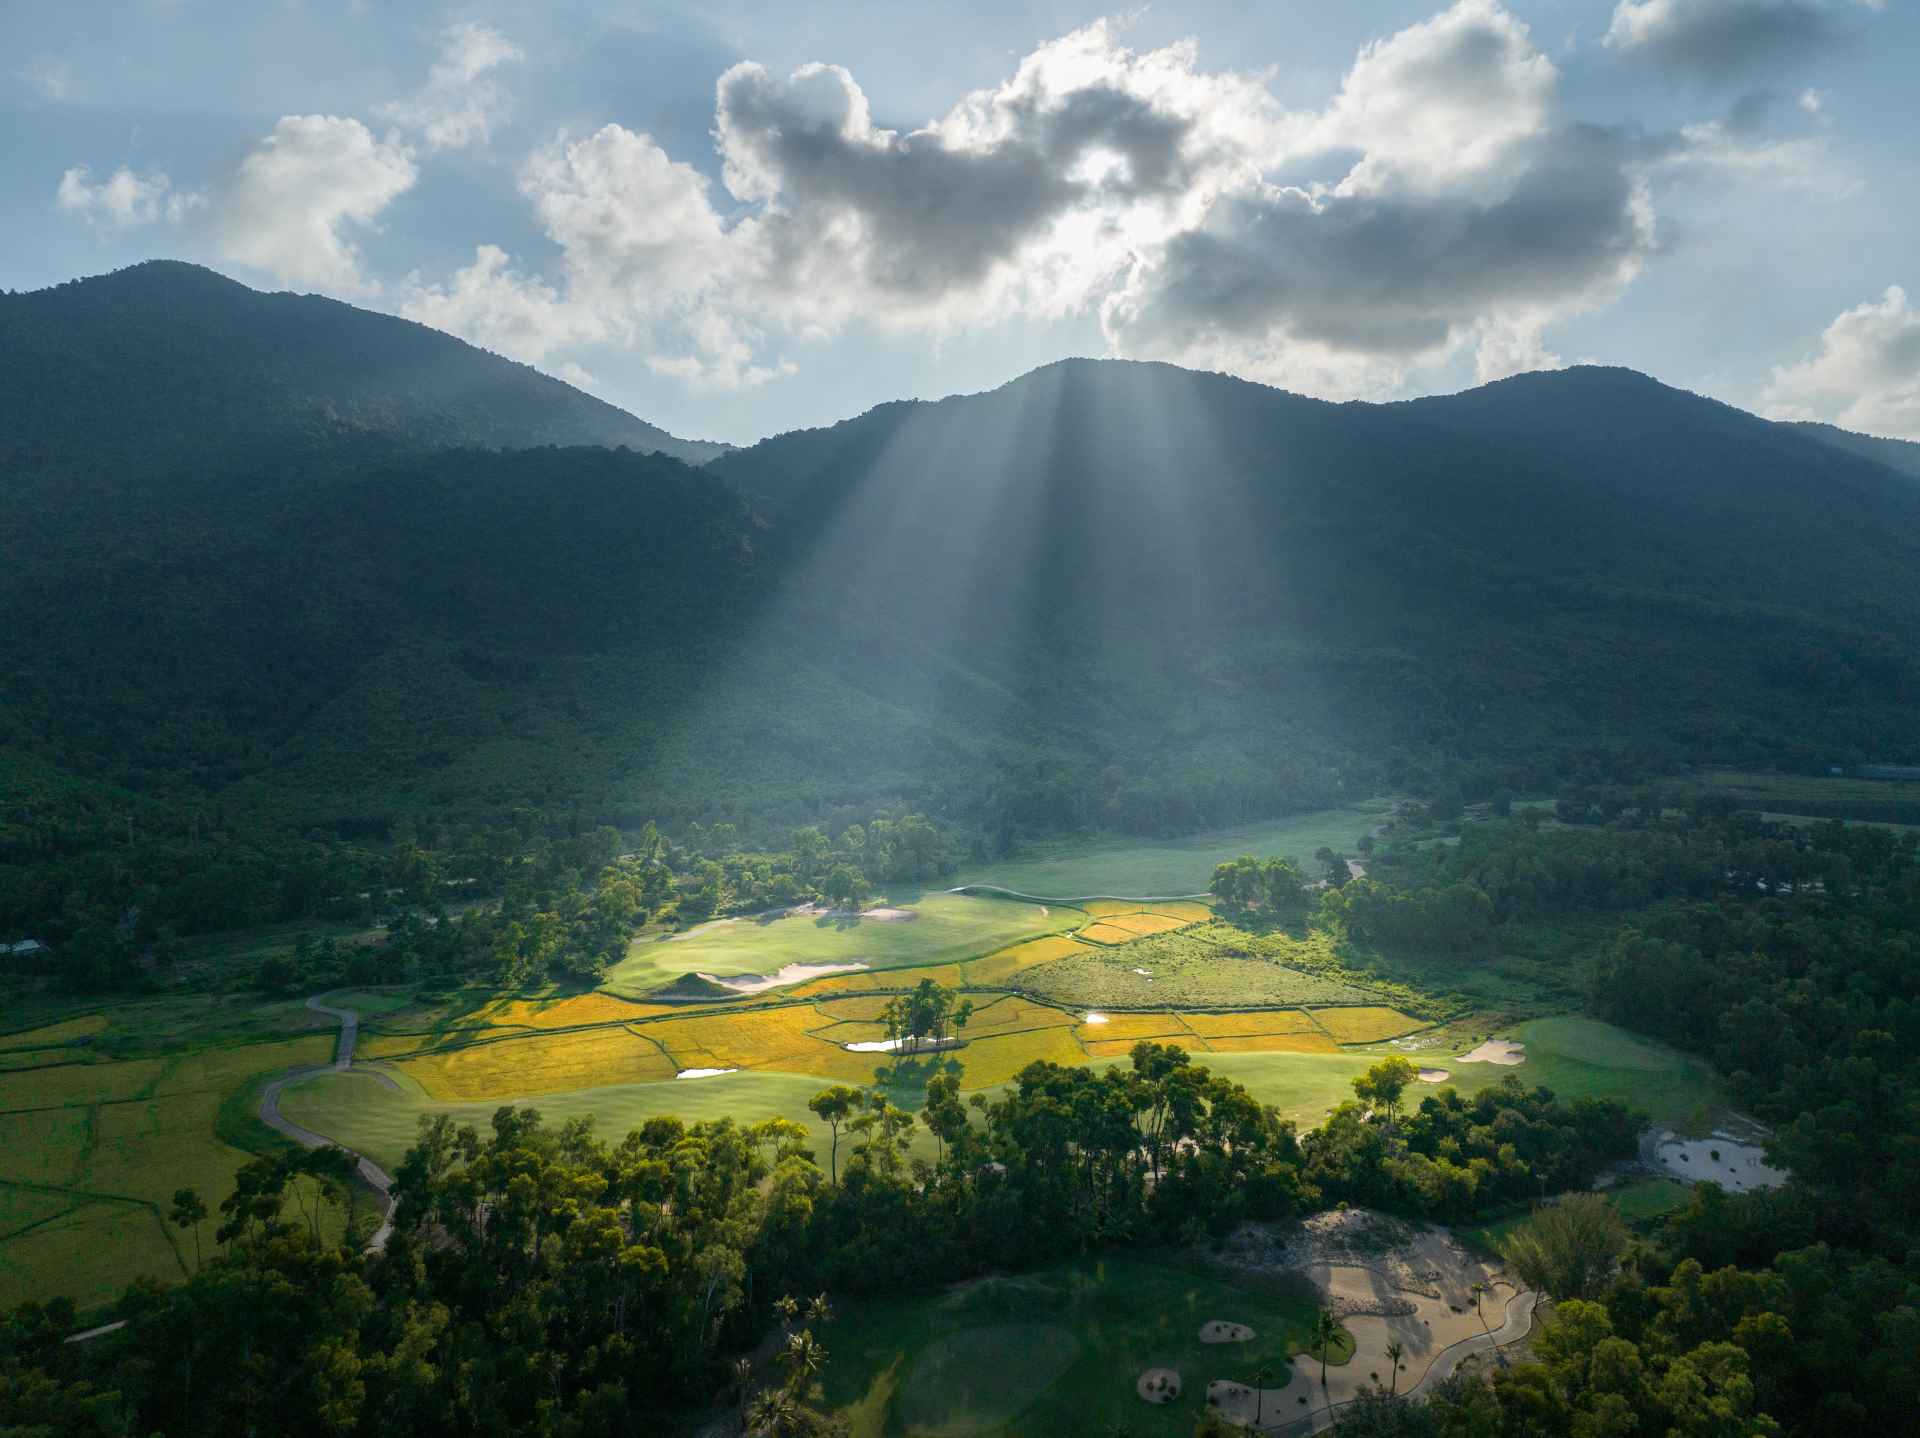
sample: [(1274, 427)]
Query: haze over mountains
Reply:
[(278, 555)]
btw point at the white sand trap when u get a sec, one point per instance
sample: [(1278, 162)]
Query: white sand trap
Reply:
[(1434, 1075), (902, 1045), (1378, 1312), (1094, 1019), (791, 974), (1158, 1385), (704, 1073), (1496, 1051), (1144, 973), (1735, 1166), (886, 916), (1218, 1330)]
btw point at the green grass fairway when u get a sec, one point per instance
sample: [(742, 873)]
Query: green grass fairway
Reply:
[(947, 927), (1636, 1202), (1172, 866), (1057, 1351), (368, 1116), (1304, 1087), (1584, 1058)]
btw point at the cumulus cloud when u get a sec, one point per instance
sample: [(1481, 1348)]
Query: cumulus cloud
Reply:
[(462, 98), (1866, 375), (291, 205), (1720, 40), (1472, 215), (123, 199), (1440, 204)]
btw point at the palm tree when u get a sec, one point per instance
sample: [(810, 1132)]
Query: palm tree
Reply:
[(1326, 1328), (819, 1311), (804, 1358), (788, 1307), (1478, 1289), (742, 1372), (773, 1413), (1396, 1350), (1262, 1376)]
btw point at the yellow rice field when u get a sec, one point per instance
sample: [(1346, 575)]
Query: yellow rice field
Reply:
[(593, 1008), (1307, 1043), (1106, 933), (546, 1063), (53, 1034), (946, 975), (1365, 1025), (1263, 1021), (1131, 1028), (1141, 925), (1120, 1048), (988, 1061), (998, 967)]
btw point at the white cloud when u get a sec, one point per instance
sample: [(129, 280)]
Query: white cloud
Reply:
[(291, 204), (1440, 203), (1724, 40), (1865, 377), (462, 100), (123, 199)]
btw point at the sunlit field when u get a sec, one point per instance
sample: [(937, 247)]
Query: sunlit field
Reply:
[(941, 927), (1164, 867)]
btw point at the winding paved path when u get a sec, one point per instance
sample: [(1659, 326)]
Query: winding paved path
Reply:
[(377, 1178)]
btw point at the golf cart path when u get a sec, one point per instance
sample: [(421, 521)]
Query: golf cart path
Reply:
[(1518, 1323), (376, 1177)]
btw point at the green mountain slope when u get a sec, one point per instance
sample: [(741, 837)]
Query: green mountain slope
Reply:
[(1104, 595)]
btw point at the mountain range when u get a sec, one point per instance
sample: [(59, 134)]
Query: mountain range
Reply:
[(282, 560)]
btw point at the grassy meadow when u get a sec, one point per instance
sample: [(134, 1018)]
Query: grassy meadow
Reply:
[(119, 1109), (944, 927), (1074, 869)]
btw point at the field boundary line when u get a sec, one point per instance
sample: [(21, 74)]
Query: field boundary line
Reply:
[(1067, 903)]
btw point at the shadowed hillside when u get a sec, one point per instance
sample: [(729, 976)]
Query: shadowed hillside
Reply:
[(1105, 595)]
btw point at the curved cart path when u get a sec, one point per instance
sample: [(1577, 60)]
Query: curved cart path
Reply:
[(376, 1177), (1518, 1323)]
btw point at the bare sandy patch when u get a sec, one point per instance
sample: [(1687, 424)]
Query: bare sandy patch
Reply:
[(1218, 1330), (791, 974), (1496, 1051), (1158, 1385), (704, 1073), (1434, 1075), (1094, 1019), (1737, 1167)]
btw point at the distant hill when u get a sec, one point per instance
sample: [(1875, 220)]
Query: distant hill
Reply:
[(302, 577), (1898, 454), (164, 359)]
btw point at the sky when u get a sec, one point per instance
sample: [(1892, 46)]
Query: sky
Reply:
[(743, 217)]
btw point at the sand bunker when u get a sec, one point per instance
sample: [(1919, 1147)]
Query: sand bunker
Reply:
[(1735, 1166), (1423, 1325), (704, 1073), (1496, 1051), (1220, 1331), (1434, 1075), (1094, 1019), (791, 974), (1143, 973), (1158, 1385), (902, 1045)]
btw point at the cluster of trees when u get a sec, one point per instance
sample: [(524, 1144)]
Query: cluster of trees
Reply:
[(540, 1280)]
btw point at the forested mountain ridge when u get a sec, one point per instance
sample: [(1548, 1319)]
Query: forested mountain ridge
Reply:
[(167, 360), (1104, 595)]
